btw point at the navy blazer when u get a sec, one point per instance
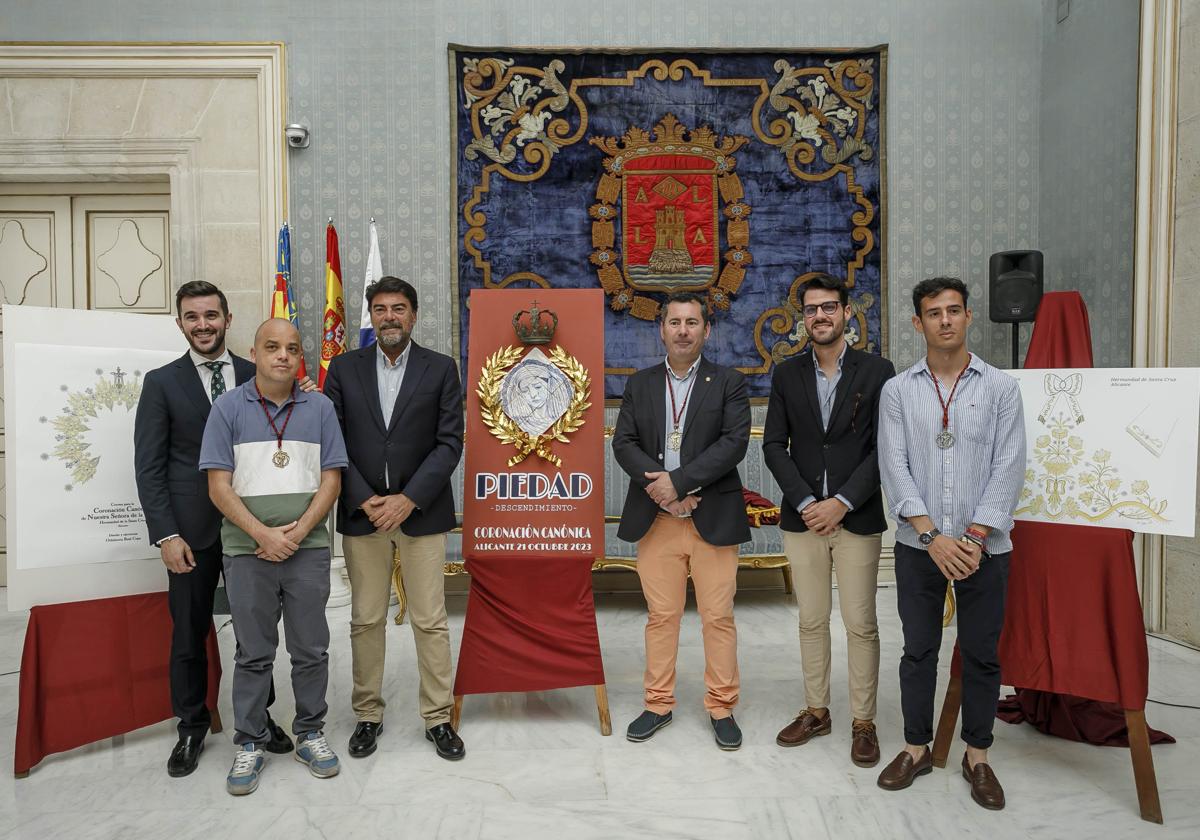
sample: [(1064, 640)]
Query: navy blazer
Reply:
[(799, 451), (421, 443), (716, 433), (167, 431)]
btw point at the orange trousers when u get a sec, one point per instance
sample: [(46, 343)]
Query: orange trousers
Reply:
[(665, 554)]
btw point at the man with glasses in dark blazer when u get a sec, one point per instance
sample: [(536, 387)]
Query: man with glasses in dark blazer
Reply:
[(819, 443)]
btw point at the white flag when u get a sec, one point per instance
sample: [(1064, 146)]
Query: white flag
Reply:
[(366, 334)]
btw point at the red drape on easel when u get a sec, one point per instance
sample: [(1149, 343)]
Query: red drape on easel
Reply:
[(1073, 621), (542, 611), (91, 670)]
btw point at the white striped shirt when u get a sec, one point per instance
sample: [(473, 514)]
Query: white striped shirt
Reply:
[(979, 478)]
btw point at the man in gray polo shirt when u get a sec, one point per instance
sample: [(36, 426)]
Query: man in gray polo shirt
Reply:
[(274, 457)]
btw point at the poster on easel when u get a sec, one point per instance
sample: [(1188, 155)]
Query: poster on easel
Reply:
[(72, 381), (533, 508), (1111, 448)]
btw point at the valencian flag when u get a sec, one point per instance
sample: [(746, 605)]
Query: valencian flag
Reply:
[(333, 330), (283, 302), (366, 333)]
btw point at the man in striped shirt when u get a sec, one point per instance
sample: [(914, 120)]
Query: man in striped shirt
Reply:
[(274, 457), (952, 463)]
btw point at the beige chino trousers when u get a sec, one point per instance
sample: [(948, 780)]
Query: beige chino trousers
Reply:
[(856, 558), (422, 568)]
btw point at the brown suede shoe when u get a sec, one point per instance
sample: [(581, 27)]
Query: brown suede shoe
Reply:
[(900, 773), (985, 787), (864, 746), (804, 728)]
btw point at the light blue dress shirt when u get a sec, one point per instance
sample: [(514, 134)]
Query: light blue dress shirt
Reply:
[(826, 396), (389, 377), (979, 478), (681, 387)]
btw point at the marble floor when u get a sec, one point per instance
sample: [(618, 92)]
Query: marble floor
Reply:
[(537, 766)]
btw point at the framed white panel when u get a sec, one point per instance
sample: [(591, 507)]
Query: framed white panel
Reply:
[(31, 583)]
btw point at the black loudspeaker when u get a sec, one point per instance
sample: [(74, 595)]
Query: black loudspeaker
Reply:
[(1015, 287)]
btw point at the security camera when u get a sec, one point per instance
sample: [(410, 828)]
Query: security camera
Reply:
[(297, 136)]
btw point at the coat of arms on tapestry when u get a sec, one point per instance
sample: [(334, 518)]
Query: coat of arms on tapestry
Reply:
[(733, 174)]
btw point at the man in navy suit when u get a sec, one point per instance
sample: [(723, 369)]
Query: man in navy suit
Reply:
[(400, 407), (181, 519)]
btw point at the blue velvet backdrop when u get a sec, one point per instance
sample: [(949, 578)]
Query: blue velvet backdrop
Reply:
[(796, 148)]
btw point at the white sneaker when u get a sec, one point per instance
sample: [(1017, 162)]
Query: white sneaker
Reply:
[(248, 763), (312, 749)]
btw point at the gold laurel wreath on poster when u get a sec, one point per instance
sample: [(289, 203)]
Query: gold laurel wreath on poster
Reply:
[(506, 430)]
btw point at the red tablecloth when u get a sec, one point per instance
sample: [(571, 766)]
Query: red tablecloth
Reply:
[(530, 626), (94, 669), (1073, 622)]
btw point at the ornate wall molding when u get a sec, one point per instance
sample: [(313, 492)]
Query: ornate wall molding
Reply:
[(67, 157), (1155, 235)]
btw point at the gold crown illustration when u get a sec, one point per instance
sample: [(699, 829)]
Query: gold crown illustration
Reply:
[(538, 327)]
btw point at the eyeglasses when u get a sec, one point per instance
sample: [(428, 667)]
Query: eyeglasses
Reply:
[(828, 307)]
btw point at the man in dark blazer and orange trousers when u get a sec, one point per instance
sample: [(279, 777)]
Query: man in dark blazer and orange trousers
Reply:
[(819, 443), (183, 523), (400, 407), (683, 429)]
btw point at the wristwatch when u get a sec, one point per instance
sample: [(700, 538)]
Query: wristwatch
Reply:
[(928, 537)]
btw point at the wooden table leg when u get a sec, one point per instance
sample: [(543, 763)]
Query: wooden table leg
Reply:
[(947, 722), (1143, 766), (456, 712), (602, 709), (214, 725), (22, 775)]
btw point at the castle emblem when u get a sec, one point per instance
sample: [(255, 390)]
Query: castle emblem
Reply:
[(669, 194)]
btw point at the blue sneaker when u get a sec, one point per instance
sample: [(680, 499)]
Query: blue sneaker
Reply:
[(312, 749), (248, 763)]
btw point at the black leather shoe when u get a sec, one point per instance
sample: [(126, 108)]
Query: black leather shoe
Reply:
[(279, 743), (645, 725), (445, 739), (362, 742), (185, 756), (729, 736)]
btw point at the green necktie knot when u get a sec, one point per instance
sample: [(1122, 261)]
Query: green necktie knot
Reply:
[(217, 386)]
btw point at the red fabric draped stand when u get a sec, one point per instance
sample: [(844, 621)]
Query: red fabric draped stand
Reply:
[(1073, 641), (530, 626), (95, 669)]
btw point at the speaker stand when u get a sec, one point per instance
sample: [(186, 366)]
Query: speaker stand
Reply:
[(1016, 365)]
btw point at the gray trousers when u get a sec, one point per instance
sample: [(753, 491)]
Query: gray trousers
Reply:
[(259, 592)]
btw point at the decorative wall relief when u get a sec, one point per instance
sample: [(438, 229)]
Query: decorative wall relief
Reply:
[(736, 175)]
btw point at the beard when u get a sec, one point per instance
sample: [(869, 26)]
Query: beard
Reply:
[(390, 341), (835, 334), (218, 342)]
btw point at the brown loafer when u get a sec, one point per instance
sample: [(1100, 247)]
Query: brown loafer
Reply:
[(900, 773), (864, 744), (804, 728), (985, 787)]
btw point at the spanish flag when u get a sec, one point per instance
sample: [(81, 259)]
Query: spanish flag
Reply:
[(283, 302), (333, 336)]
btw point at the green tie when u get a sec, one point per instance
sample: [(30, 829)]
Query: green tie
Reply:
[(217, 387)]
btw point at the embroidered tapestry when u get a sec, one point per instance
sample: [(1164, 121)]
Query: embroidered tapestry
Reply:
[(733, 174)]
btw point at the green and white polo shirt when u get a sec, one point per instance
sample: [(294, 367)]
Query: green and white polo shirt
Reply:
[(239, 439)]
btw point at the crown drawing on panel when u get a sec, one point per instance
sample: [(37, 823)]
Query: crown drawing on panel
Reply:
[(534, 325)]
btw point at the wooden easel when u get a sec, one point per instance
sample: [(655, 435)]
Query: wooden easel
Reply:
[(1139, 749), (601, 709)]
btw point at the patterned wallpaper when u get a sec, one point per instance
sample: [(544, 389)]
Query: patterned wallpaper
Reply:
[(370, 78), (1088, 149)]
